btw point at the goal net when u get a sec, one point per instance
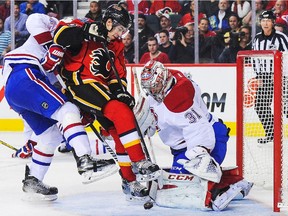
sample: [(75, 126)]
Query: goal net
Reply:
[(262, 121)]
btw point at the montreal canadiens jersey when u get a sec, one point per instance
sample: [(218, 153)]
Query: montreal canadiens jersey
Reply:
[(182, 118), (40, 27)]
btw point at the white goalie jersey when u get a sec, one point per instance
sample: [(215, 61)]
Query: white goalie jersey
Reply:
[(183, 121)]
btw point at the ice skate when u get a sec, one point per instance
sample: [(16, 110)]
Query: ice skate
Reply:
[(224, 198), (36, 189), (135, 191), (245, 189), (146, 170), (92, 170)]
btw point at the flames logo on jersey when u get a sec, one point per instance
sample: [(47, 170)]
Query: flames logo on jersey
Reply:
[(100, 64)]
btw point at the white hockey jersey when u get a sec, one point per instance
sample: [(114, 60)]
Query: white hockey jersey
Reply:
[(40, 27), (182, 118)]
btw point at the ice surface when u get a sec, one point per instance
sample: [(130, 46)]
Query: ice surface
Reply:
[(102, 198)]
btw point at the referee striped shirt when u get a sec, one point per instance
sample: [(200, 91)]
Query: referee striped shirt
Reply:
[(276, 41)]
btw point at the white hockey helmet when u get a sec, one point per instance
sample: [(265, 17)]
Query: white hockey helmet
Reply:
[(155, 80)]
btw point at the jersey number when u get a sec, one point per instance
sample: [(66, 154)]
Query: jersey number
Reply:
[(192, 116)]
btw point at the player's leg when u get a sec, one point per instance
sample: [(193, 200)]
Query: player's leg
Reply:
[(96, 97)]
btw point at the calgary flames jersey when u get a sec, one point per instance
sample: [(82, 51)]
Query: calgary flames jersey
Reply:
[(86, 61)]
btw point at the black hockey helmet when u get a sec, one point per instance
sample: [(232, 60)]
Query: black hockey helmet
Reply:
[(118, 15), (267, 15)]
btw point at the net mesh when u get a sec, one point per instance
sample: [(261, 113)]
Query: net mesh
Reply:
[(258, 121)]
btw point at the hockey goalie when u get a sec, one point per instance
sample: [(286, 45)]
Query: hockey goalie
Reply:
[(198, 142)]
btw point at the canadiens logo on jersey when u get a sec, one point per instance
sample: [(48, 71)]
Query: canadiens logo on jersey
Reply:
[(100, 62)]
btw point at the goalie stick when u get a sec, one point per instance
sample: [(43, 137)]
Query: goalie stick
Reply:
[(139, 92), (8, 145), (123, 89)]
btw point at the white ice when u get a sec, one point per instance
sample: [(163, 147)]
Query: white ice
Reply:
[(105, 197)]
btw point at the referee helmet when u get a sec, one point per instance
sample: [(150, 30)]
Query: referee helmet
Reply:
[(267, 15)]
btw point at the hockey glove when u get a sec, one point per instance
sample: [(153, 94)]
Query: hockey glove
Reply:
[(26, 150), (92, 32), (126, 98), (53, 58), (87, 118)]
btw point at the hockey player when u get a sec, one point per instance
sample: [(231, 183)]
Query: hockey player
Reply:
[(94, 87), (185, 125), (46, 110)]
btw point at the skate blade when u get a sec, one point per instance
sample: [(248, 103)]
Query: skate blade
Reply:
[(90, 176), (149, 177), (36, 197)]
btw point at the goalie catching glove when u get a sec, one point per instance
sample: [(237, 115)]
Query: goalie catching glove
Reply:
[(92, 31), (26, 150), (53, 58)]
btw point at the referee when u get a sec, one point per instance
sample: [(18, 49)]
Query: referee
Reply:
[(267, 39)]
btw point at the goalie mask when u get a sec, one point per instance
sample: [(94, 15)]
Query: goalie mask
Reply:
[(156, 80)]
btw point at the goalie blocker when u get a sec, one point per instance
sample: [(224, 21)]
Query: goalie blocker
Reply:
[(192, 192)]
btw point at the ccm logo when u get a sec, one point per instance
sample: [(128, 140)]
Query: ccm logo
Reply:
[(181, 177)]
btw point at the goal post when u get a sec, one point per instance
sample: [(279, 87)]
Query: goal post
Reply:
[(265, 164)]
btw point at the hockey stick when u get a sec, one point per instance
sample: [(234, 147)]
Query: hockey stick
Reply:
[(139, 92), (102, 139), (106, 145), (123, 89), (8, 145)]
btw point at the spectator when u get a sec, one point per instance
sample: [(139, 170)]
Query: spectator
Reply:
[(241, 8), (208, 7), (234, 23), (182, 50), (158, 6), (165, 24), (206, 40), (247, 20), (246, 39), (218, 44), (238, 41), (280, 27), (129, 47), (280, 8), (144, 32), (154, 53), (95, 12), (21, 33), (32, 6), (165, 43), (204, 28), (5, 41), (143, 6), (189, 17), (219, 20), (5, 10)]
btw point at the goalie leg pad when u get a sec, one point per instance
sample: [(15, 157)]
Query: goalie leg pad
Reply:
[(182, 191), (223, 199)]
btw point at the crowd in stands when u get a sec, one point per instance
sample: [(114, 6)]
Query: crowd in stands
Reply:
[(165, 27)]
